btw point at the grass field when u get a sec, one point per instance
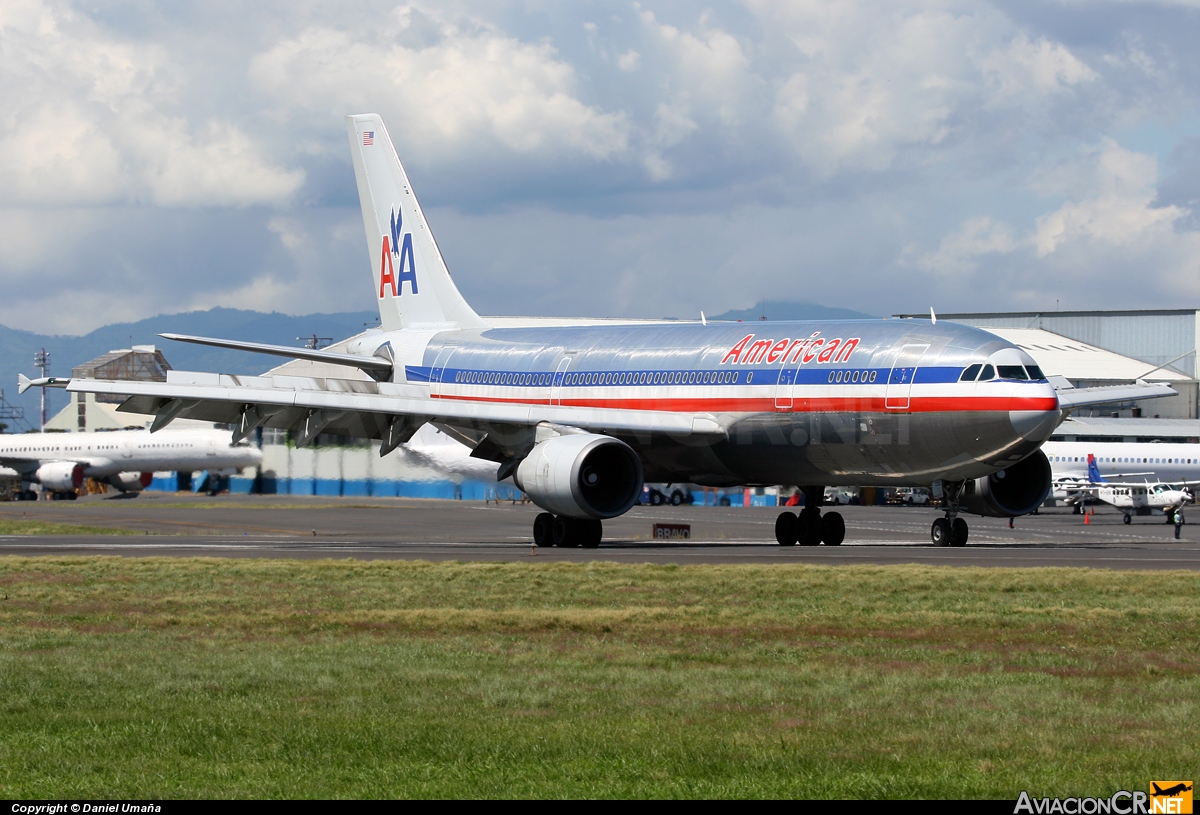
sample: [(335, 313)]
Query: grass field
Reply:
[(21, 527), (215, 678)]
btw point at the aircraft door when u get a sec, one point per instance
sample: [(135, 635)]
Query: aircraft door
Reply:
[(900, 378), (787, 382), (437, 374), (560, 374), (127, 448)]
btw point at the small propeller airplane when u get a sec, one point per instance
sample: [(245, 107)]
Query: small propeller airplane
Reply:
[(1128, 496)]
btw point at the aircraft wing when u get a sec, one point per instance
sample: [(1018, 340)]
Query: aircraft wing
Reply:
[(364, 408), (1143, 483), (20, 463), (25, 461), (1070, 398)]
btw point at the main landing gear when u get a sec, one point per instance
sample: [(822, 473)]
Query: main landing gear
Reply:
[(550, 530), (810, 528), (951, 530)]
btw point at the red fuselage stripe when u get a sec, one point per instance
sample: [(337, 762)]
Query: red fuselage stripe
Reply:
[(766, 404)]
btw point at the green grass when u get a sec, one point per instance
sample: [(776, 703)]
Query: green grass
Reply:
[(214, 678), (15, 527)]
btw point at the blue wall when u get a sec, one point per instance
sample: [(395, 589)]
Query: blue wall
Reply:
[(467, 491)]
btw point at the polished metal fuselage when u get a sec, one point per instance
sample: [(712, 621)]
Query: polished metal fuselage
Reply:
[(882, 405)]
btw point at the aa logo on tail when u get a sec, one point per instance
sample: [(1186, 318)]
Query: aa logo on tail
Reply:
[(397, 256)]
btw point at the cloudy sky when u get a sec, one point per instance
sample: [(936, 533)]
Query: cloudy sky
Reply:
[(603, 158)]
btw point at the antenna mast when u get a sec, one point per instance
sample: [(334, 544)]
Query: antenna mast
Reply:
[(41, 359)]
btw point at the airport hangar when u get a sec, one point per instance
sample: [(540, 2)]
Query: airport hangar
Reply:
[(1086, 348)]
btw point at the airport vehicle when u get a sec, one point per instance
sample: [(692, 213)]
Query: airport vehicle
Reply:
[(579, 416), (659, 494), (908, 496), (125, 459), (1132, 497)]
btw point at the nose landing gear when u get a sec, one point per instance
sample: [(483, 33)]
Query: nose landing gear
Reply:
[(810, 528), (951, 530)]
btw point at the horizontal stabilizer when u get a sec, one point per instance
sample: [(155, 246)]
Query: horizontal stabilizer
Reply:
[(1072, 398), (361, 361)]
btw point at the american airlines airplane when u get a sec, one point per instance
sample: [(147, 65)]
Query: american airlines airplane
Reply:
[(578, 416), (125, 459)]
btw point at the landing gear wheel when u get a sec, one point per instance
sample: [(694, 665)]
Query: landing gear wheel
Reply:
[(833, 529), (960, 532), (590, 533), (1126, 519), (808, 529), (787, 529), (1075, 509), (941, 532), (543, 530), (563, 532)]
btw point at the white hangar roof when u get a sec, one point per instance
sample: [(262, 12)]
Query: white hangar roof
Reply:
[(1075, 360)]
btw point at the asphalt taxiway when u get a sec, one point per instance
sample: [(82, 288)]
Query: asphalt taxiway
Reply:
[(383, 528)]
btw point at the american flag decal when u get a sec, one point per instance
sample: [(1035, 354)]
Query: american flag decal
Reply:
[(368, 137)]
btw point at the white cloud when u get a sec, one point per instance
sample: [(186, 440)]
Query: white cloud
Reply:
[(1120, 209), (461, 88), (961, 250), (87, 121), (621, 159), (1043, 67)]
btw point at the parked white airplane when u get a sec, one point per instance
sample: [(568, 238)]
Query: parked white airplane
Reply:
[(125, 459), (1140, 477), (1160, 461)]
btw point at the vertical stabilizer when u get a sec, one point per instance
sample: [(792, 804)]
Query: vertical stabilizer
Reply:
[(411, 280), (1094, 471)]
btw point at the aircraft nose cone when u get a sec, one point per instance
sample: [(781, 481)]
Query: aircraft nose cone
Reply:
[(1034, 425)]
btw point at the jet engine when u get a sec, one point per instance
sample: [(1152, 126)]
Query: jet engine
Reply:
[(130, 482), (582, 476), (1013, 491), (60, 475)]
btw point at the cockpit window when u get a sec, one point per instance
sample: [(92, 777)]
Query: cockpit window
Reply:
[(1011, 372), (988, 373), (1035, 372), (970, 373)]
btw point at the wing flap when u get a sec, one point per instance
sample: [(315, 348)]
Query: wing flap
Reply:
[(222, 398)]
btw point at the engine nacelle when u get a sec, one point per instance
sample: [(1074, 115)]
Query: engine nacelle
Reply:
[(1013, 491), (130, 482), (60, 475), (585, 475)]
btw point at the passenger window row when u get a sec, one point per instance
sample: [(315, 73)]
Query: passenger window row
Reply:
[(603, 378)]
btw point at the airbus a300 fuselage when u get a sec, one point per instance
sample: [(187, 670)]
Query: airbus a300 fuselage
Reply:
[(846, 403)]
